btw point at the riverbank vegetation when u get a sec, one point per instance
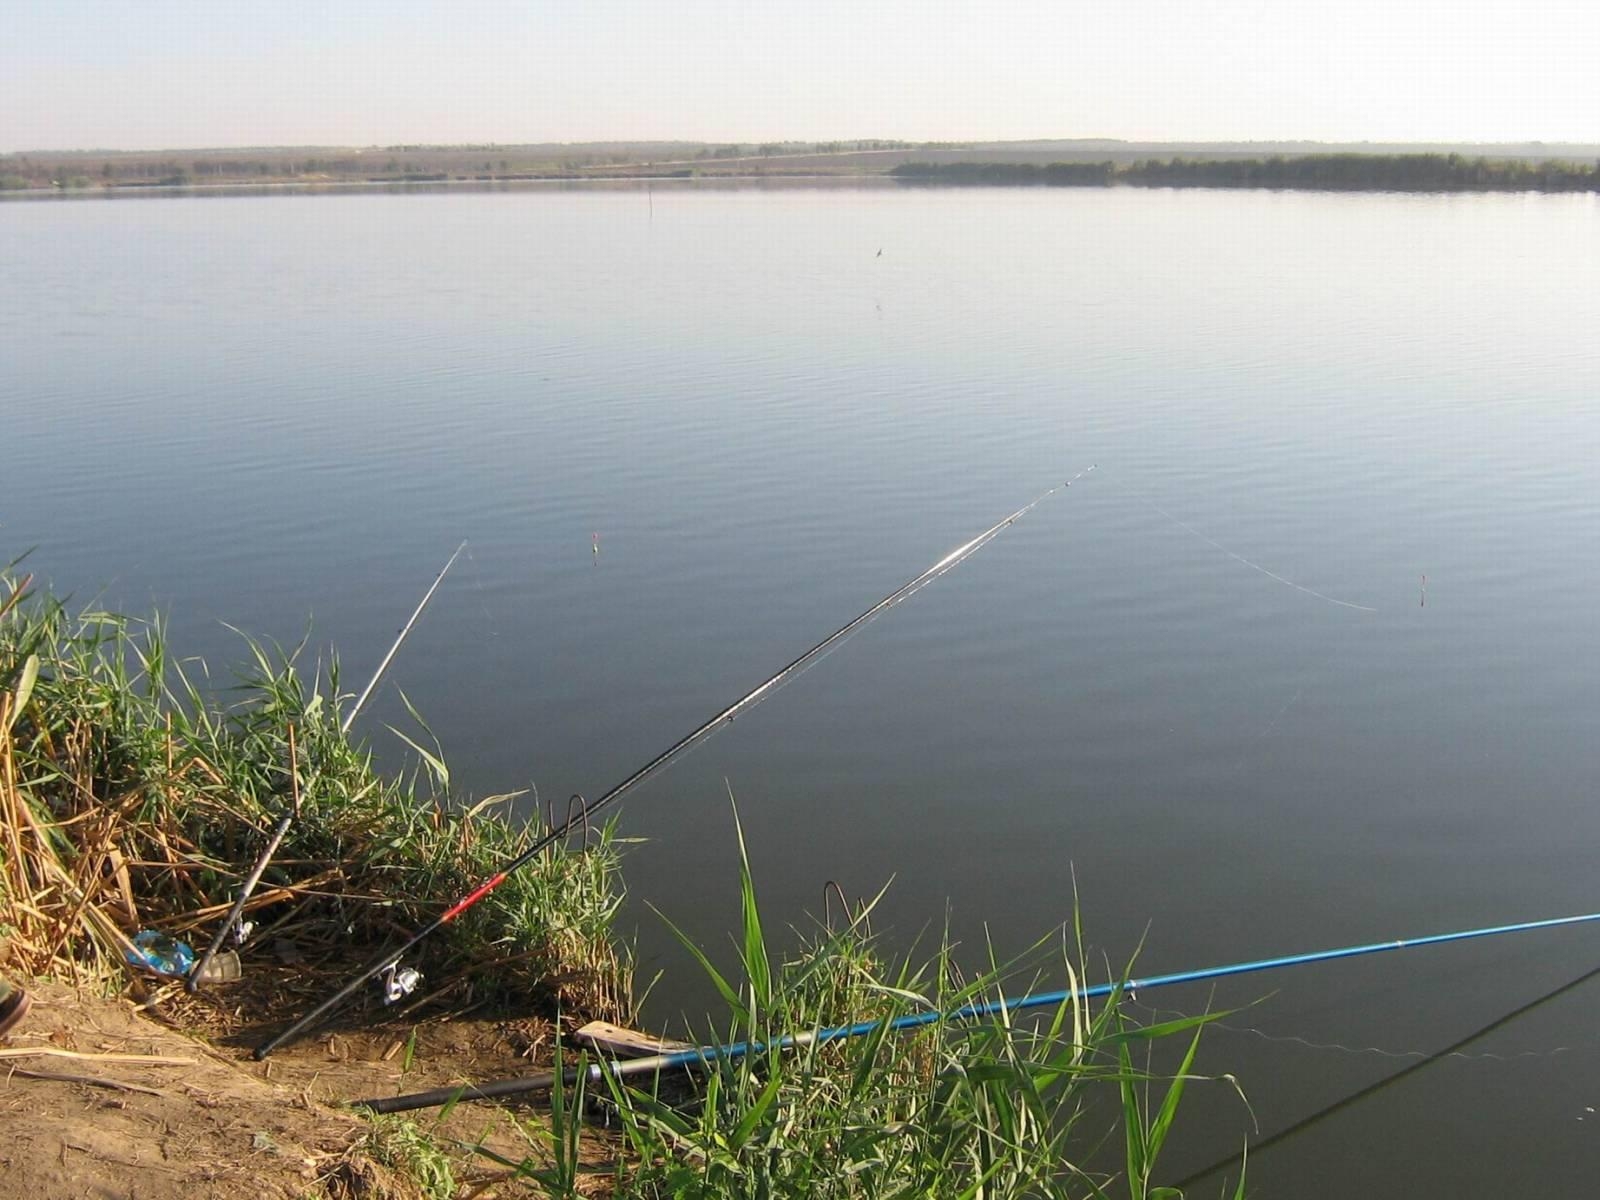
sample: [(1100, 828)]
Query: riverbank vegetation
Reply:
[(1317, 172), (135, 790), (1061, 1104)]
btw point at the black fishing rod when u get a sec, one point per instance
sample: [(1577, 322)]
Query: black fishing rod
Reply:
[(198, 972), (587, 810), (1433, 1058)]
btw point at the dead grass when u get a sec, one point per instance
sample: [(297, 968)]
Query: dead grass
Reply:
[(133, 799)]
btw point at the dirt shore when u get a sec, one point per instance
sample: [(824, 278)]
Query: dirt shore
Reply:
[(98, 1100)]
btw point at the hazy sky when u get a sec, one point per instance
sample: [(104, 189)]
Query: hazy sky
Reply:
[(181, 73)]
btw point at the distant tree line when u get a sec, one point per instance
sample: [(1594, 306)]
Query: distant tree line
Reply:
[(1394, 172), (1341, 172), (401, 164), (1060, 174), (773, 149)]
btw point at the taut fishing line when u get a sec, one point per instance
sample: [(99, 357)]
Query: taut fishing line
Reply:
[(1368, 1051), (483, 600), (1265, 731), (1254, 566)]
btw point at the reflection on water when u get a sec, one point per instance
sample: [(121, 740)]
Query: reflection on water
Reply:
[(1200, 686)]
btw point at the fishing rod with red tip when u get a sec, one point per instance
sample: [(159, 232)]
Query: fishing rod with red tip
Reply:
[(586, 812)]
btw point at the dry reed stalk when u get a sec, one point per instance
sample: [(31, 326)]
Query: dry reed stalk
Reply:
[(25, 893), (15, 597), (9, 800), (149, 1060), (46, 900), (287, 891), (118, 862), (87, 877), (87, 1080)]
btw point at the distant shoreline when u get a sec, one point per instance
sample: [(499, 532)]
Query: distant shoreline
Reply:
[(1344, 172), (350, 187), (1528, 165), (1310, 172)]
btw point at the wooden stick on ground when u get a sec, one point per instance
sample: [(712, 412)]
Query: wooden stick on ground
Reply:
[(90, 1080), (149, 1060)]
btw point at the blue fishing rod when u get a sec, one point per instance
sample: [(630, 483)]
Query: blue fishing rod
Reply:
[(703, 1056)]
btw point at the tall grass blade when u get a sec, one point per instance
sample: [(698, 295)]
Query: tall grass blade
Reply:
[(24, 689)]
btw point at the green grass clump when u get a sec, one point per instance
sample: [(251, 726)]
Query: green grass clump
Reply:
[(135, 794), (401, 1145), (1001, 1106)]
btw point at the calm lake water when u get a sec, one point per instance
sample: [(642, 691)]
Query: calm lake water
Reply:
[(1203, 682)]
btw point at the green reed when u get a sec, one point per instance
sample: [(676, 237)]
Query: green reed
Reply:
[(1001, 1106), (130, 766)]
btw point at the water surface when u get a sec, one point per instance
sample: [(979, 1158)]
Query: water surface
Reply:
[(269, 409)]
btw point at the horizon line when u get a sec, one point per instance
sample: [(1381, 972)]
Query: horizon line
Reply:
[(901, 144)]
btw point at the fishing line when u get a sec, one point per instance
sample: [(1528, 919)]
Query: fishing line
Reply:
[(1264, 732), (483, 601), (1387, 1081), (588, 809), (1369, 1051), (1380, 1052), (1254, 566)]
